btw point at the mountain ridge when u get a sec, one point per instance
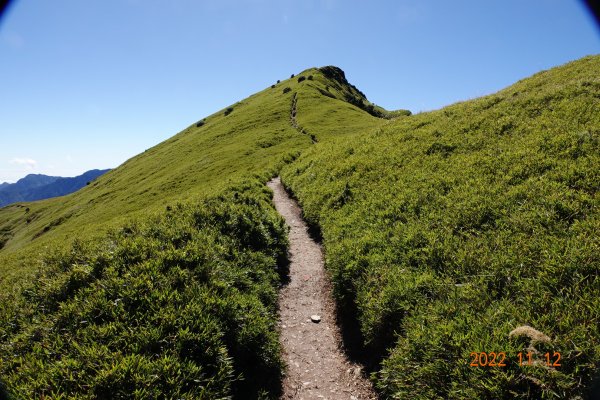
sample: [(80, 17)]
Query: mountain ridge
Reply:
[(39, 186), (32, 180)]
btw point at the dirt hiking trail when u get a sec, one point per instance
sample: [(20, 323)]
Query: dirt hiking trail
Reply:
[(316, 366)]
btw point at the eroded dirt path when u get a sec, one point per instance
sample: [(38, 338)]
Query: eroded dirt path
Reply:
[(294, 121), (293, 112), (316, 366)]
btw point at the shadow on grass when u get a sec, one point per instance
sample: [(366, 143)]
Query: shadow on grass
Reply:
[(283, 268), (594, 391), (353, 340), (4, 395)]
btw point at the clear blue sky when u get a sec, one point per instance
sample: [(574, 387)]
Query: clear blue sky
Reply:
[(89, 84)]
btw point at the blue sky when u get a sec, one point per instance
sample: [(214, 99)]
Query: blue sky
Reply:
[(89, 84)]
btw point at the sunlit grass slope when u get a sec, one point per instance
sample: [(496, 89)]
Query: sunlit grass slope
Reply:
[(447, 230), (178, 305), (201, 160), (327, 107), (251, 137), (170, 289)]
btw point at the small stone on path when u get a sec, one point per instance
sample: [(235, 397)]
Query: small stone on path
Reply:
[(315, 318)]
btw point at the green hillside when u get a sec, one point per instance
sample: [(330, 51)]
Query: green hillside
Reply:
[(443, 231), (447, 230), (254, 138), (251, 138), (202, 300)]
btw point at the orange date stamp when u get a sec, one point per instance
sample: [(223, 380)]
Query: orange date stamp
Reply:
[(500, 359)]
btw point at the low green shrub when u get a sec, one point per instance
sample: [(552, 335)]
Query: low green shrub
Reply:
[(228, 111), (286, 90), (180, 305), (397, 113)]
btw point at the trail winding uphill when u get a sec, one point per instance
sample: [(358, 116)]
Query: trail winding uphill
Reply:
[(316, 366)]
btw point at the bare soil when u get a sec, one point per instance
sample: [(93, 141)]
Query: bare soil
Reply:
[(317, 367)]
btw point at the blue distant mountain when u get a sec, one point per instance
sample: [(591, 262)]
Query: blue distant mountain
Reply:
[(38, 186)]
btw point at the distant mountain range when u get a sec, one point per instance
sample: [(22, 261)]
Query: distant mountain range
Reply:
[(38, 186)]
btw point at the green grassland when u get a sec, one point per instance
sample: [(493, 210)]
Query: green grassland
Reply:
[(443, 231), (179, 305), (447, 230), (161, 276), (199, 161)]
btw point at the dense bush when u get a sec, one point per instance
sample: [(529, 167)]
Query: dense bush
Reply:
[(286, 90), (397, 113), (199, 123), (228, 111), (181, 305), (301, 78), (446, 231)]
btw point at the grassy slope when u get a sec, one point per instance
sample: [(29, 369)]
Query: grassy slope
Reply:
[(446, 230), (177, 305), (198, 161), (330, 118), (253, 139), (156, 299), (180, 243)]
